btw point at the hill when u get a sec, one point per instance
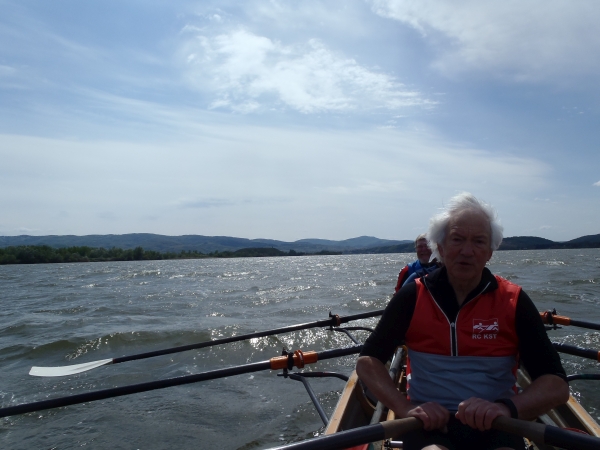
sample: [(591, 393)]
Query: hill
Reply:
[(535, 243), (209, 244), (526, 243), (199, 243), (509, 243)]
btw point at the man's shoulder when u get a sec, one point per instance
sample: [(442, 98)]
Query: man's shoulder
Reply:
[(415, 265), (499, 282), (505, 281), (405, 299)]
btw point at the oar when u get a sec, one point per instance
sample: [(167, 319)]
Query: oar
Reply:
[(577, 351), (553, 319), (298, 359), (583, 376), (60, 371), (536, 432), (545, 434), (363, 435)]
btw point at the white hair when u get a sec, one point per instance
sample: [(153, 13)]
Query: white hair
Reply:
[(422, 236), (438, 224)]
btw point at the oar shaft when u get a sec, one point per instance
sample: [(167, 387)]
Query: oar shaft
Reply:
[(160, 384), (544, 434), (537, 432), (131, 389), (577, 351), (333, 321), (558, 437), (358, 436), (584, 324)]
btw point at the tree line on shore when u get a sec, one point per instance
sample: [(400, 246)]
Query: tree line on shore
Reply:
[(44, 254)]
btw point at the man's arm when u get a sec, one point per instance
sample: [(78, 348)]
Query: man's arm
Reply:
[(379, 346), (545, 393), (375, 376)]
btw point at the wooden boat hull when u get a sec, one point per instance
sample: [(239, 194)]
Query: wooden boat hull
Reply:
[(354, 410)]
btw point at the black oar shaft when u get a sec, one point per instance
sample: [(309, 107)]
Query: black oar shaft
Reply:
[(583, 376), (132, 389), (358, 436), (341, 440), (558, 437), (577, 351), (544, 434), (243, 337), (584, 324), (537, 432), (159, 384)]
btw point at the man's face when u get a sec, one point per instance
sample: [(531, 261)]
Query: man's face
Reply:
[(423, 252), (466, 248)]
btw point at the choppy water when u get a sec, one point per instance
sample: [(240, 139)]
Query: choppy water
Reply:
[(73, 313)]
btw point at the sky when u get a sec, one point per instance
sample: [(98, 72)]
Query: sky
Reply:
[(290, 120)]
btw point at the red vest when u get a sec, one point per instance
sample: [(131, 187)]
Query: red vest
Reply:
[(401, 277), (469, 353)]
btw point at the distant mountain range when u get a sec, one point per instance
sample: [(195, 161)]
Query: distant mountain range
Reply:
[(537, 243), (204, 244), (509, 243), (208, 244)]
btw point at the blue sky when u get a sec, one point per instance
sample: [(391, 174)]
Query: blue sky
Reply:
[(291, 120)]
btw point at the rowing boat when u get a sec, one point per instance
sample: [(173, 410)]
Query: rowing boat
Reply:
[(567, 426), (355, 409)]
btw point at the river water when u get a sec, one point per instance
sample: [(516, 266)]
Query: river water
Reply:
[(59, 314)]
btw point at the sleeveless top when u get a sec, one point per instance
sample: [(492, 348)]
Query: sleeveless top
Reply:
[(474, 356)]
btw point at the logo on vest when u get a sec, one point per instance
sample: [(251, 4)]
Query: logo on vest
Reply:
[(485, 329)]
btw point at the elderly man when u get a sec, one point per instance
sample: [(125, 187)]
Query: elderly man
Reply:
[(466, 331), (421, 266)]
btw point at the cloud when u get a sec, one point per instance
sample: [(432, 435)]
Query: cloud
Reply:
[(6, 71), (370, 186), (247, 72), (204, 203), (597, 183), (523, 40), (106, 215), (325, 183)]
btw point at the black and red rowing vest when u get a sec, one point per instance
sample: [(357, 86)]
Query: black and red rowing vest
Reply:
[(474, 356)]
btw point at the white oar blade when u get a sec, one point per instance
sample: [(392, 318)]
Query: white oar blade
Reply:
[(67, 370)]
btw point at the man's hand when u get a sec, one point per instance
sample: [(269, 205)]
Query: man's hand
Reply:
[(478, 413), (433, 415)]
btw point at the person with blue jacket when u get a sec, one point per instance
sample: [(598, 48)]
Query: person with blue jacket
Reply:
[(422, 266)]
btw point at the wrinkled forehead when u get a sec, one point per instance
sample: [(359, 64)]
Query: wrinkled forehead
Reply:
[(470, 222)]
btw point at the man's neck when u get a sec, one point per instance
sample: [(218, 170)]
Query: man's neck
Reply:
[(463, 288)]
